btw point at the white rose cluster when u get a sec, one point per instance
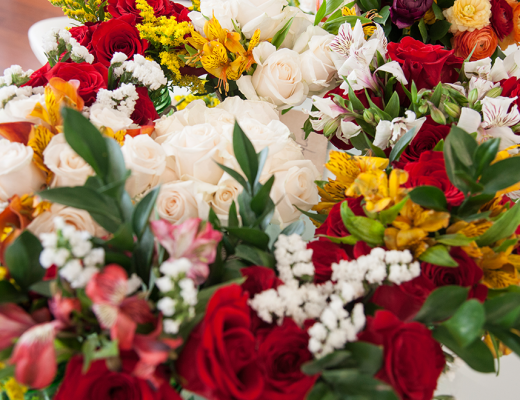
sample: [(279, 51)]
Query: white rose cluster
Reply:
[(326, 302), (139, 71), (179, 294), (72, 252), (189, 144)]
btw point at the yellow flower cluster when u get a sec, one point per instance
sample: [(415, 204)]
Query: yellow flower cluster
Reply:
[(13, 389), (79, 10), (182, 101), (195, 5)]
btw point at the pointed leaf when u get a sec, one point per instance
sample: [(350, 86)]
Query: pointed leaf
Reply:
[(442, 303), (430, 197), (143, 210), (438, 255)]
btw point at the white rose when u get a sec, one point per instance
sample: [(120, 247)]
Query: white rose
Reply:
[(224, 11), (193, 114), (180, 200), (303, 40), (69, 169), (18, 174), (195, 150), (227, 192), (317, 66), (301, 22), (266, 15), (240, 109), (116, 120), (278, 77), (294, 186), (18, 110), (147, 161), (80, 219)]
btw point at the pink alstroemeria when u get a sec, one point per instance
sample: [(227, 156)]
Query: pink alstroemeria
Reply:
[(62, 307), (34, 356), (192, 240), (14, 321), (108, 290)]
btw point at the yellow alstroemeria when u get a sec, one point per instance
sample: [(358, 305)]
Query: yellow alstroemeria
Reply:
[(470, 230), (250, 59), (411, 227), (500, 268), (38, 140), (118, 136)]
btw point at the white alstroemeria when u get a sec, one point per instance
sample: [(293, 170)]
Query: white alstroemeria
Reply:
[(394, 68), (511, 64), (496, 112), (328, 111), (348, 129), (504, 133), (482, 85), (483, 69), (389, 132), (469, 120), (362, 78), (348, 39)]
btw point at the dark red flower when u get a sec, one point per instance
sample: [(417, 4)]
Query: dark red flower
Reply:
[(259, 279), (430, 170), (166, 8), (324, 254), (405, 12), (83, 34), (511, 88), (220, 360), (501, 18), (467, 274), (413, 360), (117, 35), (425, 64), (406, 299), (333, 225), (282, 351), (100, 383), (38, 77), (91, 78), (144, 112), (426, 139)]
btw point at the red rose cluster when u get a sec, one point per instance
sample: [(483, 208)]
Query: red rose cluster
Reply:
[(232, 354)]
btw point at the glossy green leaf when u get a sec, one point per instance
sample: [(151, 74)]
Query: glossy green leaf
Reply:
[(280, 36), (485, 154), (261, 198), (423, 30), (439, 29), (321, 391), (254, 255), (233, 216), (332, 360), (352, 240), (356, 103), (509, 338), (369, 357), (439, 16), (142, 255), (429, 197), (123, 239), (85, 140), (384, 13), (438, 255), (332, 26), (501, 175), (502, 228), (466, 324), (442, 303), (401, 145), (143, 210), (320, 14), (22, 259), (389, 215), (117, 171), (235, 175), (392, 107), (297, 227), (369, 230), (320, 218), (245, 153), (367, 5), (498, 308), (10, 294), (477, 355), (252, 236), (437, 94), (455, 239)]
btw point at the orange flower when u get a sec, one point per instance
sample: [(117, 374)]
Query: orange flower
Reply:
[(485, 40)]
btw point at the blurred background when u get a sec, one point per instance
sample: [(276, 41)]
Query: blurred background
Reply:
[(16, 17)]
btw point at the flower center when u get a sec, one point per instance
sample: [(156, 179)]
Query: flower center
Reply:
[(468, 10)]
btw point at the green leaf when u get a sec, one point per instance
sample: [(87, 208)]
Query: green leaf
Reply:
[(252, 236), (22, 258), (143, 210), (356, 103), (501, 175), (123, 239), (43, 287), (286, 110), (439, 146), (429, 197), (423, 30), (401, 145), (7, 372), (439, 16), (442, 303), (437, 94), (367, 5), (504, 227), (455, 239), (439, 29), (280, 36), (236, 176), (321, 391), (392, 107), (369, 230), (9, 294), (321, 13), (296, 227), (498, 308), (388, 216), (485, 154), (463, 144), (261, 198), (369, 357), (477, 355), (233, 216), (459, 148), (85, 140), (332, 5), (320, 218), (351, 239), (466, 324), (245, 154), (254, 255), (335, 359), (438, 255), (117, 171), (510, 339), (332, 26), (384, 14), (142, 255)]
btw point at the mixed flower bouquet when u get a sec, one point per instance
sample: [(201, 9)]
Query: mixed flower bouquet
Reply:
[(155, 251)]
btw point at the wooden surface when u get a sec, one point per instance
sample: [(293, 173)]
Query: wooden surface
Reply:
[(16, 17)]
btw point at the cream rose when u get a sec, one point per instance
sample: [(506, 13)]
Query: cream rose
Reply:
[(116, 120), (69, 169), (193, 114), (147, 161), (224, 11), (266, 15), (180, 200), (294, 186), (80, 219), (227, 192), (278, 77), (195, 150), (240, 109), (18, 174), (301, 22), (18, 109)]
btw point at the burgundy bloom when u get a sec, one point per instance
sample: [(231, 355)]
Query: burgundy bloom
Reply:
[(405, 12), (501, 18)]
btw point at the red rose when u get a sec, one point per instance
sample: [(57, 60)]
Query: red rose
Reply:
[(426, 139), (413, 360), (83, 34), (425, 64), (117, 35), (99, 383), (282, 351), (91, 78), (259, 279), (510, 88), (333, 225), (430, 170), (144, 112), (220, 359), (406, 299), (118, 8), (501, 18), (38, 77), (324, 254), (467, 274)]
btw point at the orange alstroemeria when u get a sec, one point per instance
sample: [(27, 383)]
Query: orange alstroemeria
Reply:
[(16, 131)]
